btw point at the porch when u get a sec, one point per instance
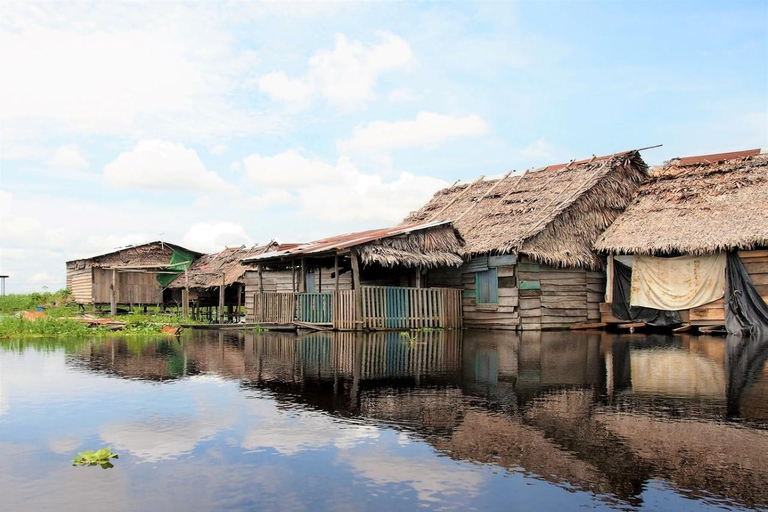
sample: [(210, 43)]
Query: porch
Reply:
[(375, 308)]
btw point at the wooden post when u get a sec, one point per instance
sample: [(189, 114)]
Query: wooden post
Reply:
[(336, 271), (220, 309), (418, 277), (609, 280), (239, 300), (303, 277), (258, 299), (293, 276), (358, 290), (113, 294), (185, 296)]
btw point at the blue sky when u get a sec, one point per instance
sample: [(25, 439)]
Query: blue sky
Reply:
[(221, 124)]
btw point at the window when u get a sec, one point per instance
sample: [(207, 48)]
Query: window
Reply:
[(487, 286)]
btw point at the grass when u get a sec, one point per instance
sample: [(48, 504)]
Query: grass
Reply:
[(59, 308)]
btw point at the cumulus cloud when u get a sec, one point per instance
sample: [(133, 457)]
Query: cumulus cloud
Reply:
[(428, 130), (339, 191), (159, 164), (214, 236), (68, 157), (345, 75)]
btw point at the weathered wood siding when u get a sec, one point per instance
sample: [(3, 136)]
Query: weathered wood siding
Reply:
[(130, 287), (80, 283), (284, 281), (503, 315)]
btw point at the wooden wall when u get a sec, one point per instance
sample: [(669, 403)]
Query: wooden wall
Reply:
[(555, 298), (531, 296), (505, 314), (131, 287), (283, 281), (79, 283)]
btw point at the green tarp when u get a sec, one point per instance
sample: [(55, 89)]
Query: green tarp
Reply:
[(180, 261)]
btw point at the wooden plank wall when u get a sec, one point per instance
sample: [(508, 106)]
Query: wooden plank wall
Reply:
[(282, 281), (80, 284), (555, 298), (131, 287)]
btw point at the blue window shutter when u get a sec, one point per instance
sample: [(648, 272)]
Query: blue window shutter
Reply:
[(487, 286)]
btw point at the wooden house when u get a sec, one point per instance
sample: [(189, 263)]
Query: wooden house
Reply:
[(529, 262), (129, 276), (367, 280), (214, 285), (686, 217)]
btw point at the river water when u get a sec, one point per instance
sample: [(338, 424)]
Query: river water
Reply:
[(219, 421)]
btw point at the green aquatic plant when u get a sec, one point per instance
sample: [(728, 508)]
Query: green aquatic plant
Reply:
[(410, 337), (98, 458)]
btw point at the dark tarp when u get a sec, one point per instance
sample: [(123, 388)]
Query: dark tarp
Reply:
[(745, 359), (622, 287), (746, 314)]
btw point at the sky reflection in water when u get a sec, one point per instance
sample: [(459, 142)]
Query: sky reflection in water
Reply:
[(452, 421)]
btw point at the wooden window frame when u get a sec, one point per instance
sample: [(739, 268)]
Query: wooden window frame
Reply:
[(495, 300)]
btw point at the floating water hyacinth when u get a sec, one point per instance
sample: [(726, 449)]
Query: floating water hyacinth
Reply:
[(97, 458)]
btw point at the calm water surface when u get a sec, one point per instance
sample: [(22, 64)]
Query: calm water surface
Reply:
[(345, 422)]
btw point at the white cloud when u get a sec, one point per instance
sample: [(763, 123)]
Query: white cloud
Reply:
[(68, 157), (159, 164), (291, 169), (402, 95), (140, 70), (219, 149), (542, 151), (279, 87), (428, 130), (337, 192), (345, 75), (271, 197), (214, 236)]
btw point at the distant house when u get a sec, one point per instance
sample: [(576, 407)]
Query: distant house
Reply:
[(671, 242), (130, 276), (366, 280), (529, 262)]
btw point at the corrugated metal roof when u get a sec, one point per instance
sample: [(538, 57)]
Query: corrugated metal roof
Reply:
[(714, 158), (345, 241)]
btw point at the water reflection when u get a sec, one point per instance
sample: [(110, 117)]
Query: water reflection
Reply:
[(610, 415)]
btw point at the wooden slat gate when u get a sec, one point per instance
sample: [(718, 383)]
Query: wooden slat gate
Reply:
[(314, 308), (391, 307), (344, 306)]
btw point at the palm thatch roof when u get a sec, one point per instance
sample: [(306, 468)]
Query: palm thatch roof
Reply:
[(151, 253), (209, 270), (429, 245), (696, 205), (552, 215)]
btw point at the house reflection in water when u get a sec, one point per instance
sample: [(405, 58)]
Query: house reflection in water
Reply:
[(592, 411)]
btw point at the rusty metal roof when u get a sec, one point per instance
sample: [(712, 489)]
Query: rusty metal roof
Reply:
[(342, 242), (714, 158)]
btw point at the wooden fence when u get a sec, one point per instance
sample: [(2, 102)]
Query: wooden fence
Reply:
[(314, 308), (383, 308), (390, 307)]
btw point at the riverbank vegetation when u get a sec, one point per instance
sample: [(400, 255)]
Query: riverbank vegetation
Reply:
[(55, 314)]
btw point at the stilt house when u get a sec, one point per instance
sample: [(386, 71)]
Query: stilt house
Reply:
[(367, 280), (130, 276), (528, 258), (214, 285), (672, 242)]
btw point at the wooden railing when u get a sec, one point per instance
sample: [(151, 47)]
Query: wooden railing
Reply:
[(383, 308), (394, 307)]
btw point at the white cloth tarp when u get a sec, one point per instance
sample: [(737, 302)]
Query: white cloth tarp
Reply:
[(672, 284)]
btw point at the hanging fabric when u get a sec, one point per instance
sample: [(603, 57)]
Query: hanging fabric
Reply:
[(682, 282)]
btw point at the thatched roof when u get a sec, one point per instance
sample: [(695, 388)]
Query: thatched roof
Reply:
[(696, 205), (552, 215), (208, 270), (430, 245), (152, 253)]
